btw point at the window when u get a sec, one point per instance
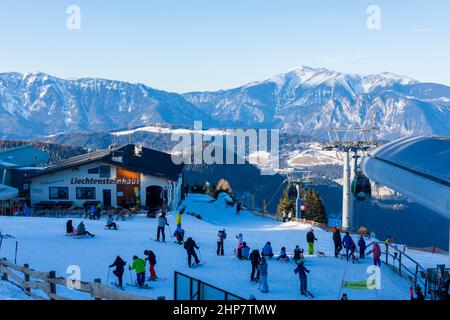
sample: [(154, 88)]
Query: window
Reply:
[(86, 193), (59, 193), (93, 170), (105, 171)]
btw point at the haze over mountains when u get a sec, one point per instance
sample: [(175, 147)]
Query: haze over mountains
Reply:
[(305, 100)]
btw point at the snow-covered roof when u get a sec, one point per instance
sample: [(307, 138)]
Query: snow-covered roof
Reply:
[(425, 155)]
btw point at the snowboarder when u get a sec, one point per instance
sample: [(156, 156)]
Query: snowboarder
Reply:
[(254, 260), (139, 266), (349, 245), (162, 223), (245, 251), (179, 235), (264, 273), (310, 238), (190, 247), (221, 236), (283, 255), (110, 222), (298, 254), (81, 230), (151, 258), (179, 216), (118, 272), (362, 247), (301, 270), (337, 241), (267, 251), (376, 251), (69, 227), (238, 208)]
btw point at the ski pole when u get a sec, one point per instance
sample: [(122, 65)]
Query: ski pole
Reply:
[(200, 253), (131, 277), (107, 278)]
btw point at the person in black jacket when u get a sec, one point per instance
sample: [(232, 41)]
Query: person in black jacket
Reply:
[(69, 227), (152, 261), (255, 258), (118, 272), (310, 238), (190, 247), (337, 241)]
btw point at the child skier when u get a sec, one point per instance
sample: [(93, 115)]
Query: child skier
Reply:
[(267, 251), (298, 254), (151, 258), (283, 255), (179, 235), (376, 250), (190, 247), (362, 247), (179, 216), (301, 270), (221, 236), (118, 272), (264, 273), (245, 250), (240, 239), (139, 266)]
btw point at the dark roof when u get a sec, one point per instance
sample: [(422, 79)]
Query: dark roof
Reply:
[(152, 162)]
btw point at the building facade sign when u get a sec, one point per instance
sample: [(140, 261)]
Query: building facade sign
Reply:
[(114, 181)]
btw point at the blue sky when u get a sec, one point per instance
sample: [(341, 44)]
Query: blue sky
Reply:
[(187, 45)]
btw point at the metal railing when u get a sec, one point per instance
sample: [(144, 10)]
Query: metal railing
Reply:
[(189, 288)]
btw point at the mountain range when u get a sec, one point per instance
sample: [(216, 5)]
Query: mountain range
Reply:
[(304, 100)]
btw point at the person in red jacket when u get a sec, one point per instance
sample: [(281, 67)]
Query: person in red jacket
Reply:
[(376, 251)]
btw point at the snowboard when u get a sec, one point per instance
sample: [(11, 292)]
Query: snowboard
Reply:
[(153, 239)]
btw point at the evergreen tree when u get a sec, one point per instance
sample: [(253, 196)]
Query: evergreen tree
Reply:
[(315, 210)]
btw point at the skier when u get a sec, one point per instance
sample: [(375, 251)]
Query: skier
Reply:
[(310, 238), (92, 213), (238, 208), (81, 230), (240, 239), (178, 217), (245, 251), (267, 251), (264, 273), (362, 247), (221, 236), (301, 270), (254, 260), (162, 223), (349, 245), (190, 247), (69, 227), (179, 235), (151, 258), (118, 272), (298, 254), (337, 241), (290, 214), (110, 222), (98, 211), (376, 251), (139, 266), (283, 255)]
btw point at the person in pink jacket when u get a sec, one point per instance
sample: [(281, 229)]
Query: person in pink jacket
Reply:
[(376, 251)]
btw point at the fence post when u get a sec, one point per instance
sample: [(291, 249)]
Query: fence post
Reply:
[(415, 276), (15, 253), (99, 281), (27, 276), (387, 254), (400, 263), (5, 275), (51, 282)]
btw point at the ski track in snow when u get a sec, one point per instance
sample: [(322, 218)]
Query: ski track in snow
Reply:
[(43, 244)]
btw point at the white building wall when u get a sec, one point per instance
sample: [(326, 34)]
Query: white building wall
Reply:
[(39, 187)]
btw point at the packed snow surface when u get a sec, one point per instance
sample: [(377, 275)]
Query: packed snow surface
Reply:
[(43, 244)]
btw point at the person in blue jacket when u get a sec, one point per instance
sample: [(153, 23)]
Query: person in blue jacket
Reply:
[(301, 270), (349, 245), (362, 247), (267, 251)]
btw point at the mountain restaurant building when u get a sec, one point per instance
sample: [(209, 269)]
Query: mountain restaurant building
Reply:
[(127, 176)]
